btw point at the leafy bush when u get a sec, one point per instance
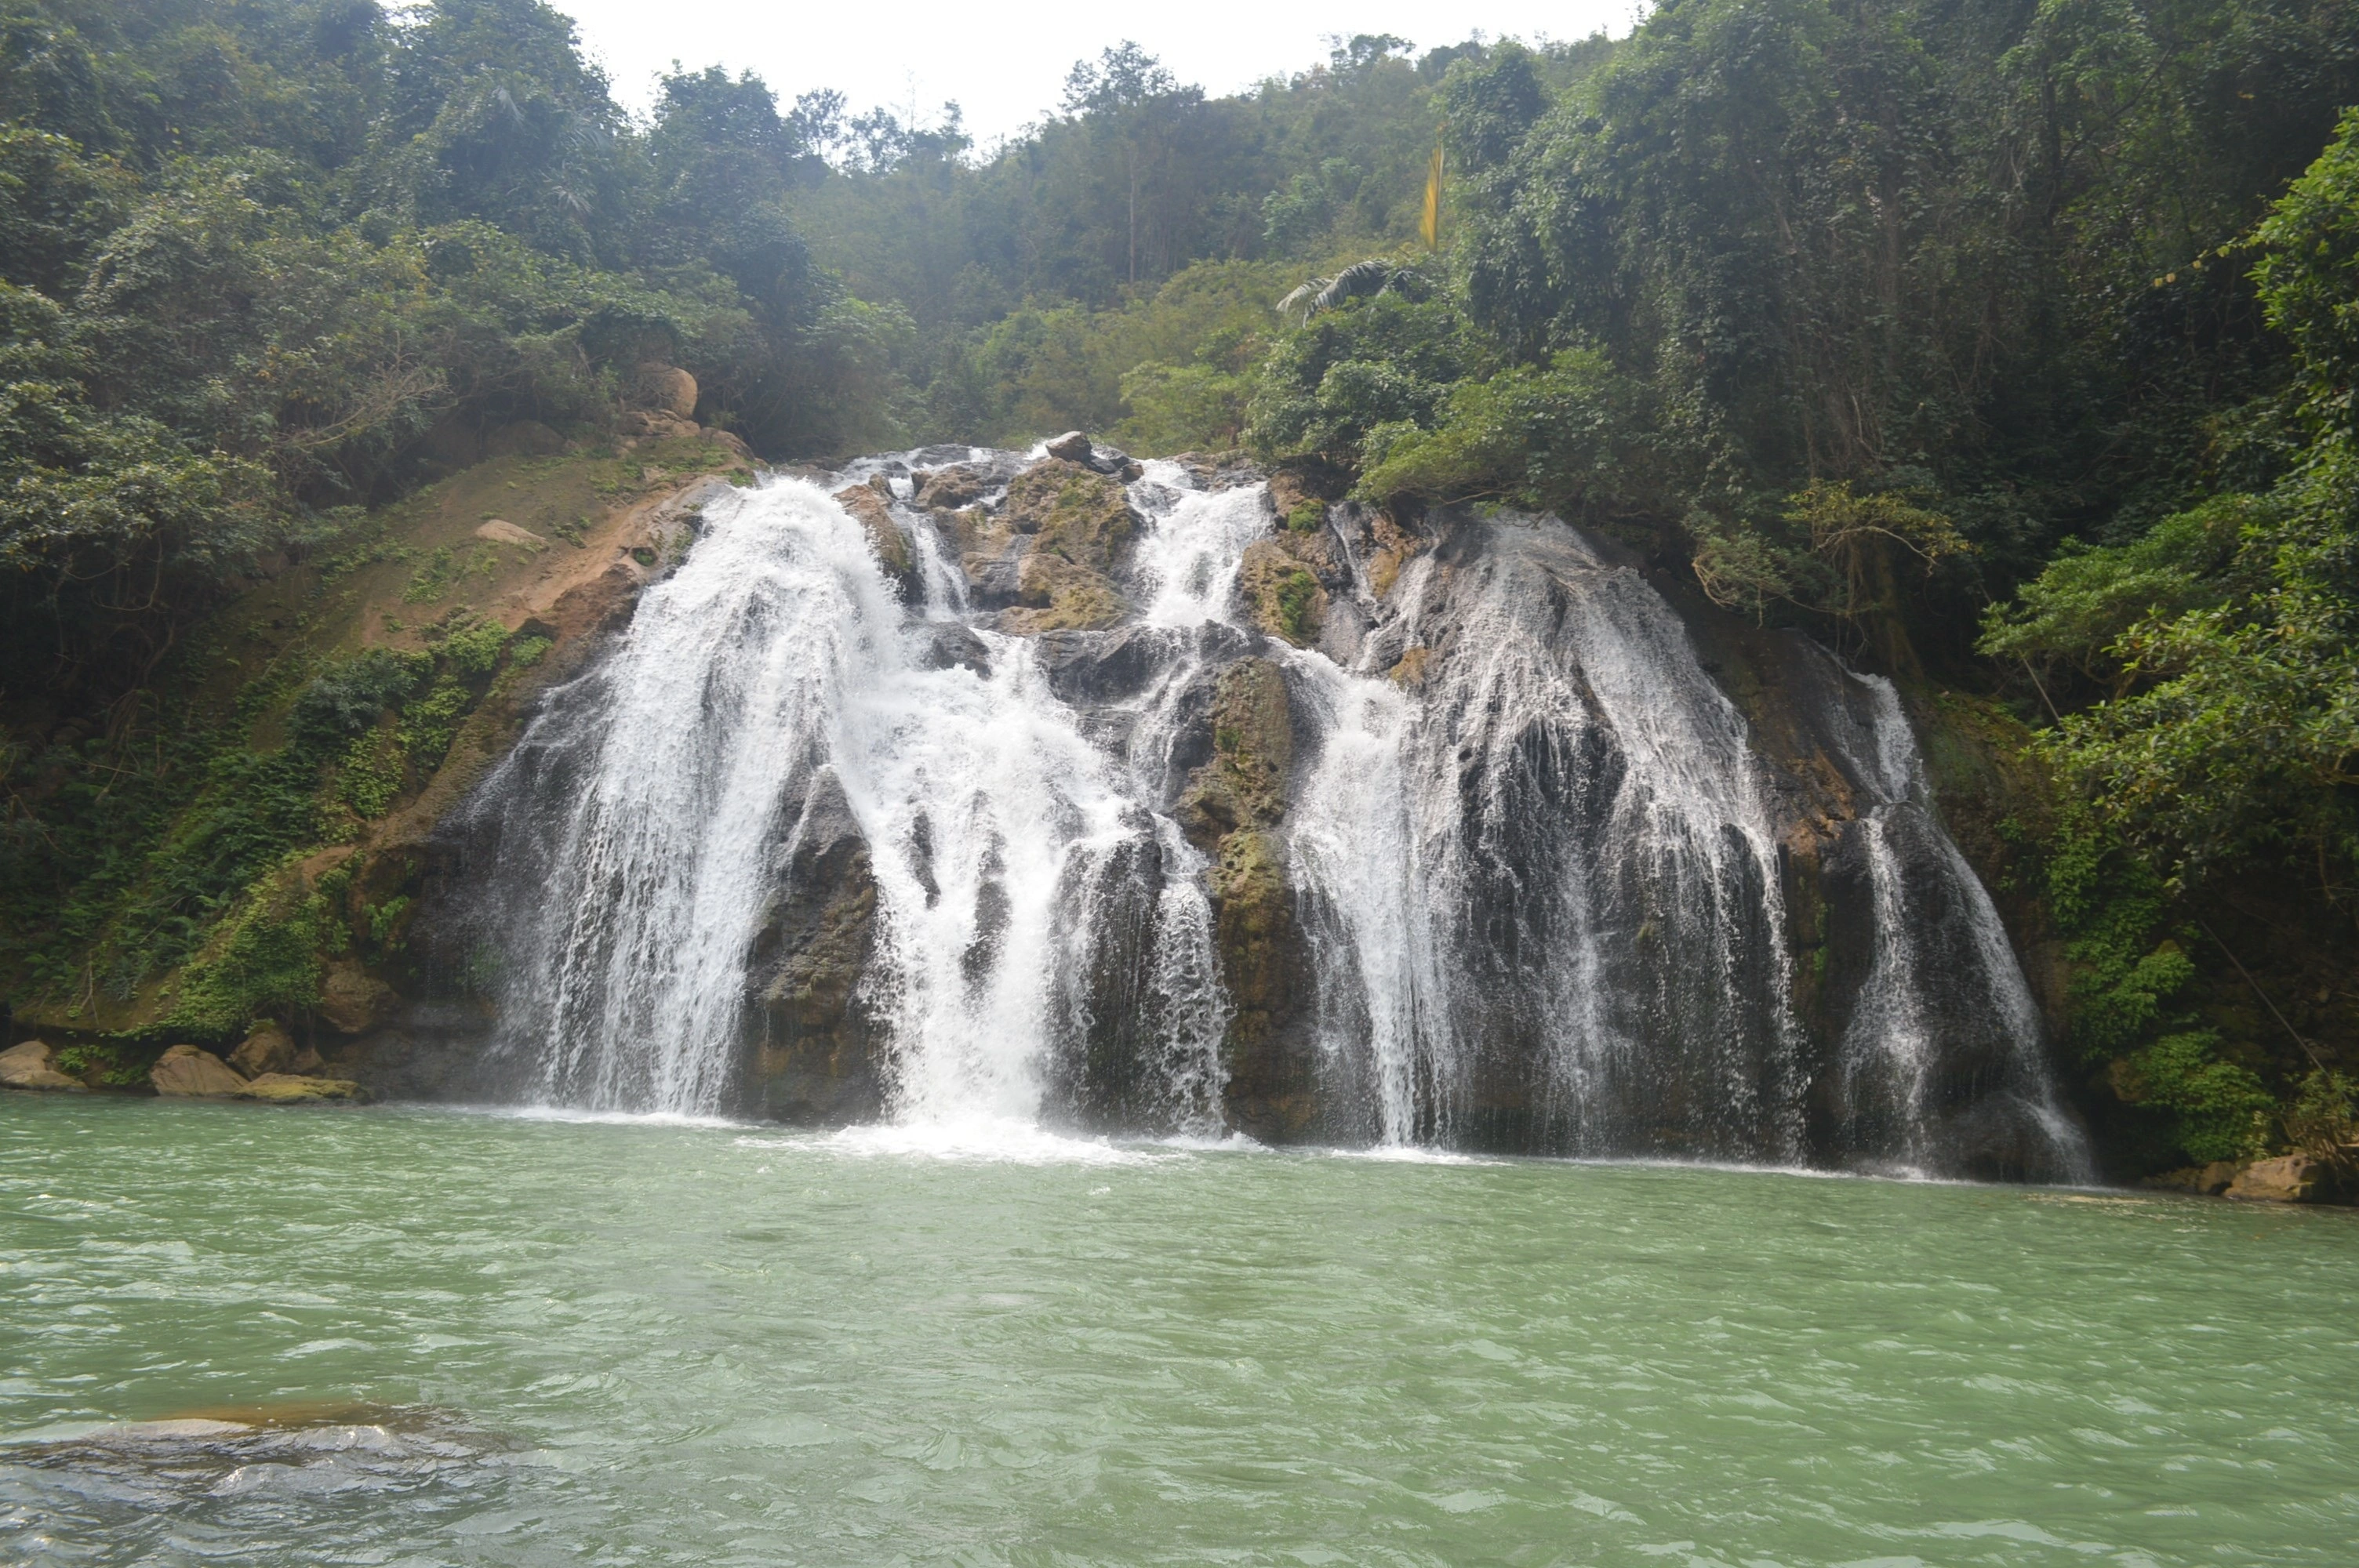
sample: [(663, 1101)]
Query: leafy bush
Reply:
[(353, 696), (2223, 1110)]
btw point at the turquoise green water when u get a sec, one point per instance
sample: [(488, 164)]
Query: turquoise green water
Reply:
[(631, 1344)]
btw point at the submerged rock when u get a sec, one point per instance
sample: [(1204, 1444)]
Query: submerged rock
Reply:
[(293, 1089), (189, 1072), (32, 1066)]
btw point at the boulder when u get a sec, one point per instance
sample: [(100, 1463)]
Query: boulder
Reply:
[(268, 1049), (500, 531), (961, 484), (291, 1088), (33, 1065), (1062, 534), (185, 1071), (667, 389), (353, 1001), (2289, 1178), (1074, 446)]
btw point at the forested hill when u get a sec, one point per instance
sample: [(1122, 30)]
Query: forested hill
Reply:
[(2007, 347)]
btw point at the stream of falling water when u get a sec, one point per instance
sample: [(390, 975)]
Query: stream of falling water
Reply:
[(1529, 837)]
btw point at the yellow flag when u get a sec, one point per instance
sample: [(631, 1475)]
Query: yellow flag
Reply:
[(1432, 226)]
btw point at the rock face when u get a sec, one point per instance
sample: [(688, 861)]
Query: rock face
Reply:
[(188, 1072), (871, 506), (1049, 554), (2290, 1178), (814, 1041), (32, 1066), (353, 1001)]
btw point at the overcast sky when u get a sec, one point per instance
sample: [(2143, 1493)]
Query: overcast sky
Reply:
[(1005, 65)]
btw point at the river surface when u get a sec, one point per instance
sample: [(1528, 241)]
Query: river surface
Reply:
[(476, 1338)]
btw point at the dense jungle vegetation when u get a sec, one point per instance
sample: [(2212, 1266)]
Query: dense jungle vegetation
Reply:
[(2007, 344)]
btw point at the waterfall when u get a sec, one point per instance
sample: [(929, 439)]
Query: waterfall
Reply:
[(672, 765), (674, 774), (1944, 1022), (1595, 834), (1533, 851)]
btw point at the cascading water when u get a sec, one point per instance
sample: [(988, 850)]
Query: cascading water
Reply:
[(1533, 858), (1944, 1024), (775, 652), (1604, 852)]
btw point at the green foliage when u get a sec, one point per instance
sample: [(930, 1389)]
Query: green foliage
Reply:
[(1566, 436), (1308, 516), (2233, 733), (2309, 279), (2111, 907), (429, 724), (266, 962), (2222, 1111), (474, 651), (2086, 600), (2324, 1118), (371, 774), (1830, 549), (1386, 363), (1297, 590)]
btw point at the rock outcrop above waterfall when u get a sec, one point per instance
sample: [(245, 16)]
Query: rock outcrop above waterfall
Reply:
[(1046, 557)]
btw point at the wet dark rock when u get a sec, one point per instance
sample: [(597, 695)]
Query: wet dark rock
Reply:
[(815, 1042), (1074, 446), (946, 644)]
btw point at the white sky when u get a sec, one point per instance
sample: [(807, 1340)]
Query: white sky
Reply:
[(1005, 64)]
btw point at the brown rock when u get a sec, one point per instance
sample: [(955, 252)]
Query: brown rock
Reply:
[(1052, 547), (1073, 446), (290, 1089), (668, 389), (500, 531), (874, 516), (32, 1066), (2289, 1178), (961, 484), (186, 1071), (1072, 512), (1057, 596), (1243, 786), (268, 1049), (352, 1001), (1283, 590)]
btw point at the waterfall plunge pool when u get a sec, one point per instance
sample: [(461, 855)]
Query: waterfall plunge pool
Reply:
[(495, 1339)]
